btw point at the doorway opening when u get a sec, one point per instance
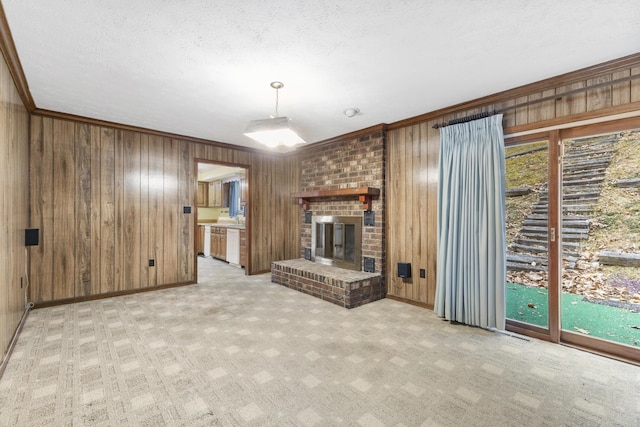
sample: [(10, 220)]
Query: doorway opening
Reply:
[(222, 215)]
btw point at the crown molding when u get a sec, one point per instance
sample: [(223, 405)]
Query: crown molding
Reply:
[(566, 79), (8, 48), (120, 126)]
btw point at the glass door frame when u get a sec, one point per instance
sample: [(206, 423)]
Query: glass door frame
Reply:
[(554, 332)]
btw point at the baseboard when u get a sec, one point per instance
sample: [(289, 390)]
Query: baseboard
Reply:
[(14, 338), (109, 295), (412, 302)]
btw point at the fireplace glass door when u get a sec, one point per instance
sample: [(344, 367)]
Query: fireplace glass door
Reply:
[(337, 241)]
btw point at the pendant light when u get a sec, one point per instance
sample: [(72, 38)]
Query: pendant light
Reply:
[(274, 131)]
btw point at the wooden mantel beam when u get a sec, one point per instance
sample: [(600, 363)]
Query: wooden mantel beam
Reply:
[(364, 194)]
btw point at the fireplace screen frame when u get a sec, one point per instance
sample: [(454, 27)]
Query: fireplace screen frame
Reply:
[(330, 238)]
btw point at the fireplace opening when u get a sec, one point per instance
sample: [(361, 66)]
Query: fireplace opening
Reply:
[(337, 241)]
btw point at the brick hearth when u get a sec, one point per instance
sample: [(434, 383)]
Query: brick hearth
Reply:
[(346, 288)]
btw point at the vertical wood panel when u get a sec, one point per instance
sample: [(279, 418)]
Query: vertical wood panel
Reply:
[(423, 202), (120, 254), (621, 92), (83, 230), (522, 113), (41, 172), (408, 284), (169, 264), (155, 207), (571, 104), (64, 209), (132, 249), (107, 211), (96, 210), (635, 85), (417, 230), (509, 114), (144, 210), (600, 98), (541, 110), (395, 150), (186, 189), (433, 144)]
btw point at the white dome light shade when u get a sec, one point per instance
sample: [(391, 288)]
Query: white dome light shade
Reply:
[(273, 132)]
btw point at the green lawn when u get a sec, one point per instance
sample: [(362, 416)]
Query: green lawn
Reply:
[(529, 304)]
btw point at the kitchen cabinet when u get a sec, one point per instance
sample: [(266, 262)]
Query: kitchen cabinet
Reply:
[(203, 194), (243, 248), (215, 194), (223, 243), (226, 186), (200, 240), (243, 191), (215, 243), (219, 242)]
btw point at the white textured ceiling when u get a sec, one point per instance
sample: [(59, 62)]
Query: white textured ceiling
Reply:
[(202, 68)]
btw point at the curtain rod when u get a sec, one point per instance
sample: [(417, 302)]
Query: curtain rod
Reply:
[(465, 119), (555, 97)]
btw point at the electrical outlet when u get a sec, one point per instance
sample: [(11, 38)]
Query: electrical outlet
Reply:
[(423, 273), (152, 263)]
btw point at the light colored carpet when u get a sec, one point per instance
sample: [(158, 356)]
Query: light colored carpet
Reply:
[(236, 350)]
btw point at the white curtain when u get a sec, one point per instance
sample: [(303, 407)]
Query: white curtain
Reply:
[(471, 269)]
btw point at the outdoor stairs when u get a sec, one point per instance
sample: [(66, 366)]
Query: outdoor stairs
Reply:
[(584, 166)]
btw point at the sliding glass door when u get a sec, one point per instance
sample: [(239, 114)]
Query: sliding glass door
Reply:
[(573, 236), (527, 214), (600, 299)]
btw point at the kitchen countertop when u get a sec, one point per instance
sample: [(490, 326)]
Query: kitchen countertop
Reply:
[(215, 224)]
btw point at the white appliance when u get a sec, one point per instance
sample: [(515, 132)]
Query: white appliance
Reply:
[(207, 240), (233, 246)]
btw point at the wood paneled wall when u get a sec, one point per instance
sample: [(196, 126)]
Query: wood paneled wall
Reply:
[(108, 200), (14, 208), (412, 194), (413, 149)]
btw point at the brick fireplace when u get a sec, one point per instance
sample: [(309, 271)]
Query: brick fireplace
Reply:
[(344, 164)]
